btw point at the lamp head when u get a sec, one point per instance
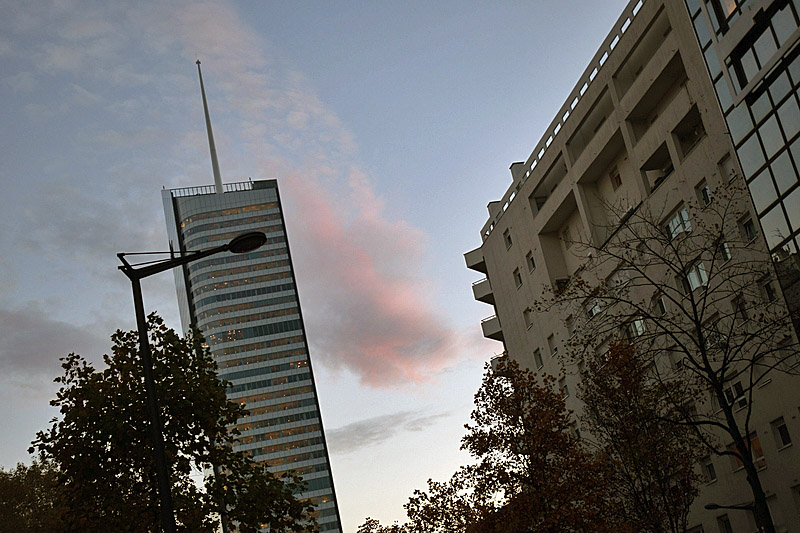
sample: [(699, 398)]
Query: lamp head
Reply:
[(247, 242)]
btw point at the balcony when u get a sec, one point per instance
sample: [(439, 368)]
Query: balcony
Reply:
[(497, 359), (482, 291), (491, 328), (475, 260)]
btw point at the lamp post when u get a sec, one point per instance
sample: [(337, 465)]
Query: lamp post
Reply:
[(244, 243)]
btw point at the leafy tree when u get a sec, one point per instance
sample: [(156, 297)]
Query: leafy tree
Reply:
[(695, 291), (102, 450), (532, 473), (652, 461), (29, 499)]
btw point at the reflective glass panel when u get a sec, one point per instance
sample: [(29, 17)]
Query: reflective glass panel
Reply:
[(761, 107), (783, 171), (762, 190), (775, 227), (750, 155), (724, 94), (792, 203), (780, 87), (789, 114), (771, 136), (765, 47), (784, 24), (739, 123)]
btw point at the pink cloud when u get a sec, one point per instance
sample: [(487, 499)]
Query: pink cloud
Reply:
[(366, 309)]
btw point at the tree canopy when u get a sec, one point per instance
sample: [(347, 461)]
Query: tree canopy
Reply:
[(100, 446)]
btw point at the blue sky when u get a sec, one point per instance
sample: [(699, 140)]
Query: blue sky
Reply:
[(389, 125)]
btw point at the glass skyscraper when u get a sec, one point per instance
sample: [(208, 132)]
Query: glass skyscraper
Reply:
[(247, 308), (752, 52)]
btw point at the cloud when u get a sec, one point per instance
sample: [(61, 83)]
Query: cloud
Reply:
[(31, 344), (373, 431)]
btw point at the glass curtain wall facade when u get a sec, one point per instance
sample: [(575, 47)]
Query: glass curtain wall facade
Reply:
[(248, 309), (752, 54)]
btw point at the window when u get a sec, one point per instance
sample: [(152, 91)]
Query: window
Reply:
[(517, 278), (724, 524), (781, 433), (616, 179), (537, 358), (740, 309), (703, 193), (507, 238), (748, 229), (562, 386), (735, 395), (756, 452), (724, 251), (527, 316), (531, 263), (769, 291), (709, 473), (636, 328), (678, 223), (592, 309), (659, 305), (570, 322), (696, 277), (551, 344)]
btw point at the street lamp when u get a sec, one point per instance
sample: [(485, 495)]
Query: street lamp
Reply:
[(240, 244)]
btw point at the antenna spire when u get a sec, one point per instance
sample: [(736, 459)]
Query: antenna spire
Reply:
[(211, 146)]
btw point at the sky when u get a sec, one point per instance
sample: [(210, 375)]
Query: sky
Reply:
[(389, 127)]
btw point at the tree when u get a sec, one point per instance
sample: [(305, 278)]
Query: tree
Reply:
[(29, 499), (532, 473), (625, 412), (103, 454), (694, 290)]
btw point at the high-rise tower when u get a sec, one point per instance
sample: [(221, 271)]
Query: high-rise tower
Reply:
[(248, 309)]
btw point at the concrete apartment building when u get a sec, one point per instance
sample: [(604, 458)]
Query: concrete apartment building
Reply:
[(681, 99), (247, 307)]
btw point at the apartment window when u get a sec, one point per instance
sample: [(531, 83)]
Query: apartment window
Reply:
[(678, 223), (530, 262), (696, 277), (592, 309), (551, 344), (562, 386), (616, 179), (781, 433), (724, 251), (709, 473), (636, 328), (659, 305), (517, 278), (756, 452), (527, 316), (724, 524), (703, 193), (507, 238), (769, 291), (570, 322), (734, 393), (748, 229), (537, 358), (740, 309)]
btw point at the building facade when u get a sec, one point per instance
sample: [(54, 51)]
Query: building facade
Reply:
[(248, 309), (656, 123)]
